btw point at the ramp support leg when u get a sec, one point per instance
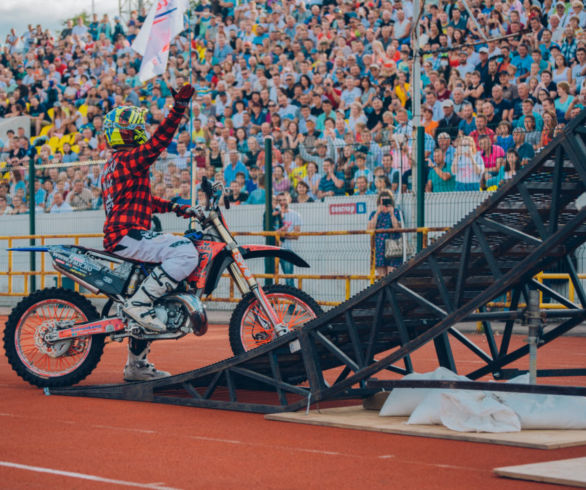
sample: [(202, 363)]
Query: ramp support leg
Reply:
[(534, 322), (444, 352)]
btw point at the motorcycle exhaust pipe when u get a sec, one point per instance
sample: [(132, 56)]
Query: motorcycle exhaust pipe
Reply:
[(198, 318)]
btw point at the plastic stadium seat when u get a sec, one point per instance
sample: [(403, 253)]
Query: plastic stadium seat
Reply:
[(46, 129)]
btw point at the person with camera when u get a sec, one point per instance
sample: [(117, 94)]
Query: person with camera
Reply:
[(385, 217)]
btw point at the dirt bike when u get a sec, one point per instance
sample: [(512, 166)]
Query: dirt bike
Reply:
[(55, 337)]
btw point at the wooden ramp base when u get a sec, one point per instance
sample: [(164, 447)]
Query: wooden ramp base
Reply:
[(357, 417), (563, 472)]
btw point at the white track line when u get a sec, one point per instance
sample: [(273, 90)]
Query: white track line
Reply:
[(83, 476)]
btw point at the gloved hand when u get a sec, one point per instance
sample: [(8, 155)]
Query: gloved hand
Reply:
[(194, 212), (183, 96), (185, 211)]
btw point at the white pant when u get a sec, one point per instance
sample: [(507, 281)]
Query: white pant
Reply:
[(177, 255)]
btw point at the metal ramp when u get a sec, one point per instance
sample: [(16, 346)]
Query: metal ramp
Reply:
[(530, 224)]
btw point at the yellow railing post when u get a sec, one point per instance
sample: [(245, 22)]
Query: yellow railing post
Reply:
[(372, 272), (277, 260)]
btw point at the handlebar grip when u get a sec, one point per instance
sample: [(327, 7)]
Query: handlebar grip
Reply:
[(206, 186), (226, 202)]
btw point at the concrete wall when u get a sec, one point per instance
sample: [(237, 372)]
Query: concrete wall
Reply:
[(14, 123)]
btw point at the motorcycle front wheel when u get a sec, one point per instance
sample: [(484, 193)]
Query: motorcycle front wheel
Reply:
[(53, 364), (250, 327)]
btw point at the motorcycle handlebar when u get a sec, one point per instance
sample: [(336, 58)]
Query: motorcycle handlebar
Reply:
[(213, 192)]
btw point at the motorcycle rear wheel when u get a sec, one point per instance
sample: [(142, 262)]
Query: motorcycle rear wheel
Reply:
[(51, 365), (248, 324)]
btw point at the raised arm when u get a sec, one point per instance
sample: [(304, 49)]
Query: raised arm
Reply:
[(143, 156)]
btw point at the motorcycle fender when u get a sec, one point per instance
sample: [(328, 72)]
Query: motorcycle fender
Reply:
[(224, 259), (256, 251)]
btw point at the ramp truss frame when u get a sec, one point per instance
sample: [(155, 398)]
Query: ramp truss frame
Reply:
[(531, 223)]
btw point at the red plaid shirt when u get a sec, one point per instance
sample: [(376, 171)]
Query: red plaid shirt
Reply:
[(126, 189)]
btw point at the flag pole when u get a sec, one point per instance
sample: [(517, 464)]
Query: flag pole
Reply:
[(191, 148)]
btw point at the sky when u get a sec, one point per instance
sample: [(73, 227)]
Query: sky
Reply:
[(49, 13)]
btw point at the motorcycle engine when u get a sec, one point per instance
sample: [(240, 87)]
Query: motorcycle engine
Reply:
[(183, 312)]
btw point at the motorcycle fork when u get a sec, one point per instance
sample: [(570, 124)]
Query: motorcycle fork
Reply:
[(246, 274)]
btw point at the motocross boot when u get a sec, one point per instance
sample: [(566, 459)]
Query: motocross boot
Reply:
[(138, 368), (139, 306)]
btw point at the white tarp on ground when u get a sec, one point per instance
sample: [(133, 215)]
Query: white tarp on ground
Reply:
[(478, 411)]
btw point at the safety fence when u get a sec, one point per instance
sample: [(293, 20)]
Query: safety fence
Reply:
[(22, 280), (20, 275), (383, 160)]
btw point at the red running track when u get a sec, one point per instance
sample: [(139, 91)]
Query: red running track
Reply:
[(67, 443)]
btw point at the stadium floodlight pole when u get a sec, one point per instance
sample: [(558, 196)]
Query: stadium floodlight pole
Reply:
[(268, 221), (471, 14), (419, 180)]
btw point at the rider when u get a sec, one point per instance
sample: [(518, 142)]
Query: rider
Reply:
[(129, 205)]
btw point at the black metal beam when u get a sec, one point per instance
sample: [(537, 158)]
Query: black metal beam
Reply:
[(400, 322), (480, 386)]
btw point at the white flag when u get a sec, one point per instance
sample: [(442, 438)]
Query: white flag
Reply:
[(164, 22)]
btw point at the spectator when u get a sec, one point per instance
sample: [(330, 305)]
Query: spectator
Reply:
[(234, 166), (18, 205), (312, 179), (257, 196), (549, 124), (450, 122), (564, 101), (332, 183), (506, 172), (302, 193), (428, 123), (281, 182), (4, 207), (440, 178), (385, 217), (237, 194), (532, 135), (482, 129), (504, 138), (468, 122), (184, 196), (467, 166), (59, 205), (291, 224), (362, 187), (490, 153), (523, 149)]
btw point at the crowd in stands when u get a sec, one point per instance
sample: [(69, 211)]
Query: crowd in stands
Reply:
[(329, 81)]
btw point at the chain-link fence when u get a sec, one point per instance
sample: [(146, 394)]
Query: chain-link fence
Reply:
[(331, 184)]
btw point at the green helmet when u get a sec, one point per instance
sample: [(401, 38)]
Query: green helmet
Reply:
[(125, 126)]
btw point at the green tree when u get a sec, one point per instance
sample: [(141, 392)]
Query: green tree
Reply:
[(86, 18)]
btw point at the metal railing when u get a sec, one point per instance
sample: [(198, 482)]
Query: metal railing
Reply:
[(45, 273)]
